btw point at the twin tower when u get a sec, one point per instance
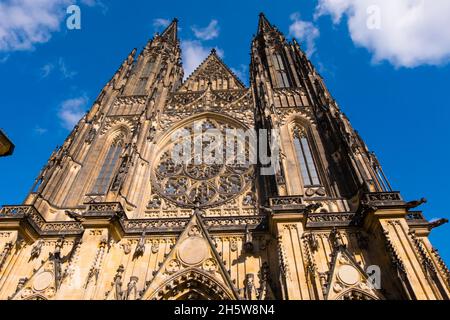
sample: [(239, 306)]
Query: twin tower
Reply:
[(113, 216)]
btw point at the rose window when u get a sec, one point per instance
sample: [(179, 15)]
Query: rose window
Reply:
[(198, 180)]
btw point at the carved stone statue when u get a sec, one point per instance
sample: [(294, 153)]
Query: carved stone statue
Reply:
[(91, 135), (250, 292), (336, 238), (37, 249), (151, 133), (140, 248), (120, 175), (248, 243), (74, 215), (118, 282), (132, 293), (58, 247)]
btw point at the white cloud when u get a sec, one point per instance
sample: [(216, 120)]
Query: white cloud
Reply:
[(410, 33), (4, 58), (241, 72), (72, 110), (95, 3), (65, 70), (61, 66), (47, 69), (160, 23), (304, 31), (40, 131), (24, 23), (208, 33), (194, 52)]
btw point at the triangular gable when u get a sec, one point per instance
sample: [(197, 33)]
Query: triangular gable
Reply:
[(192, 266), (347, 279), (215, 72)]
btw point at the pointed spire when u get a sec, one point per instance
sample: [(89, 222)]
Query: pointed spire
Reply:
[(171, 32), (264, 24)]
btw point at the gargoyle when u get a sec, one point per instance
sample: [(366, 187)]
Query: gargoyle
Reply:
[(78, 217), (437, 223), (415, 203), (312, 208)]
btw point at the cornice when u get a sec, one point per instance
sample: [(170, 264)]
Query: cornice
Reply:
[(113, 215)]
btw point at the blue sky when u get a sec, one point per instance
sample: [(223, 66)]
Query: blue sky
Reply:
[(391, 81)]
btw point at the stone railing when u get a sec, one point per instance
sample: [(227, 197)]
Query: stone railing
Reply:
[(219, 223), (383, 197), (287, 202), (15, 211), (103, 209), (35, 219), (178, 224), (331, 219), (415, 216)]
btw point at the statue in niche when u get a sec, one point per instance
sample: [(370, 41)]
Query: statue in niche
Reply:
[(131, 293), (250, 292), (248, 243)]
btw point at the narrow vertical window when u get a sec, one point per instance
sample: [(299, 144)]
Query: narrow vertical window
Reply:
[(305, 158), (281, 72), (108, 168)]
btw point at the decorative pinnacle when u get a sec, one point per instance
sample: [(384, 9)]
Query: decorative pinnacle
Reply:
[(263, 23)]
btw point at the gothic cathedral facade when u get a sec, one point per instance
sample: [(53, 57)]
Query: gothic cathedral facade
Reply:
[(113, 217)]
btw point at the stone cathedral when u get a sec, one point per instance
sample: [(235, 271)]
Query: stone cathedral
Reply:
[(112, 217)]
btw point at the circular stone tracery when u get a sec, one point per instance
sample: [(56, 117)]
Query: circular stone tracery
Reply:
[(201, 181)]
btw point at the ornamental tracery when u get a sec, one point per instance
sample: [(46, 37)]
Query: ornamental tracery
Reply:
[(204, 179)]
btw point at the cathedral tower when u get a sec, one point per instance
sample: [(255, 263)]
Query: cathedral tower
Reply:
[(113, 215)]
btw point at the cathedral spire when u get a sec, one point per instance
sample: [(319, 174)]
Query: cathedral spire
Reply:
[(264, 25), (171, 32)]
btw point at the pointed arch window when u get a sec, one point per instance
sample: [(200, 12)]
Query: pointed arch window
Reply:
[(305, 158), (109, 166), (280, 70)]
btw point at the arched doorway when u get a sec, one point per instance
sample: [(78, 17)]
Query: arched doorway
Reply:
[(356, 295), (192, 284)]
